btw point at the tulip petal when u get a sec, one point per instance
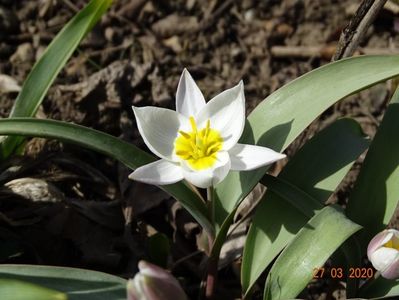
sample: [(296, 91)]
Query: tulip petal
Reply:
[(226, 113), (249, 157), (132, 293), (159, 128), (378, 241), (152, 270), (392, 271), (189, 99), (210, 176), (383, 258), (160, 172), (154, 283)]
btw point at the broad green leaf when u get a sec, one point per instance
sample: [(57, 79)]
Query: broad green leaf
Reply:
[(282, 116), (380, 287), (316, 170), (376, 192), (296, 197), (50, 64), (310, 249), (77, 284), (104, 143), (19, 290)]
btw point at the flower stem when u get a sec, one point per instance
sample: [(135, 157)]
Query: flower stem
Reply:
[(212, 268), (211, 205), (211, 277)]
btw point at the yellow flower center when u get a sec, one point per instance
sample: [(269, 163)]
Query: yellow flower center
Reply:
[(199, 147), (392, 243)]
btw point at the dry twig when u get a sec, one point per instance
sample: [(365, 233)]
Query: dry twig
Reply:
[(357, 28)]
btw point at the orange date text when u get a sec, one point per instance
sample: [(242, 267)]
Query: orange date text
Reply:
[(338, 273)]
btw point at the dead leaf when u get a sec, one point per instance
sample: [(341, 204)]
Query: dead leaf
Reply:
[(33, 189)]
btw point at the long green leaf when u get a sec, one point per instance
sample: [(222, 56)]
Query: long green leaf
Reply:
[(104, 143), (296, 197), (20, 290), (316, 169), (282, 116), (376, 193), (50, 64), (77, 284), (310, 249)]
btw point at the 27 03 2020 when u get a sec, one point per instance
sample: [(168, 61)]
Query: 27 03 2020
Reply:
[(338, 272)]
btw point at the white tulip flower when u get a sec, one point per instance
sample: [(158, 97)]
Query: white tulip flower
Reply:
[(198, 141), (383, 252)]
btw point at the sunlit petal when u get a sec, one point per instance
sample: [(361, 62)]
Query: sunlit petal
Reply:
[(159, 127), (226, 113), (249, 157), (160, 172), (189, 99)]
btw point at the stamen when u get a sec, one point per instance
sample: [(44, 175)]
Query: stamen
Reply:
[(185, 134), (199, 148), (208, 128), (193, 125), (392, 244)]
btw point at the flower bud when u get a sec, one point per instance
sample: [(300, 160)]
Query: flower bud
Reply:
[(383, 252), (154, 283)]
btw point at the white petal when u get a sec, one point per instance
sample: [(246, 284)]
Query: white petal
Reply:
[(189, 99), (392, 272), (383, 257), (378, 241), (159, 128), (249, 157), (226, 113), (160, 172), (211, 176)]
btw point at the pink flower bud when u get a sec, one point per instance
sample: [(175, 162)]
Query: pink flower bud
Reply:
[(154, 283), (383, 252)]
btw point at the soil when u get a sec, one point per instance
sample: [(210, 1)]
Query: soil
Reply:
[(85, 212)]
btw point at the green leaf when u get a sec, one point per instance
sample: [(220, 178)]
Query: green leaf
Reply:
[(310, 249), (282, 116), (50, 64), (380, 287), (77, 284), (20, 290), (104, 143), (314, 172), (375, 195), (296, 197)]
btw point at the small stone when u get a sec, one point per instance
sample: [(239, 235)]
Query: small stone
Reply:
[(24, 53)]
